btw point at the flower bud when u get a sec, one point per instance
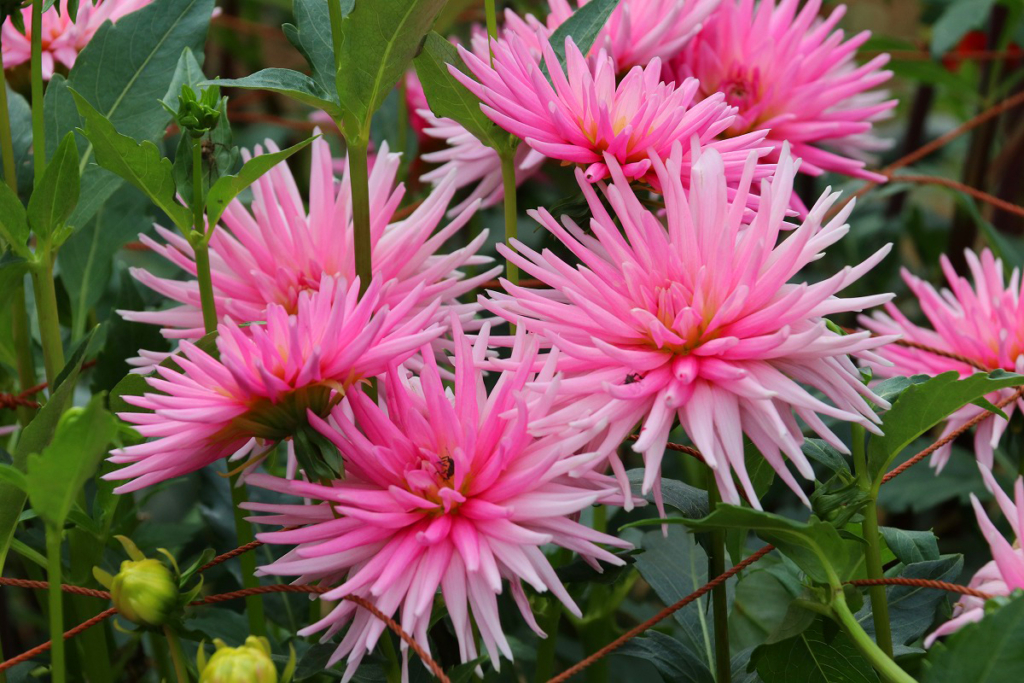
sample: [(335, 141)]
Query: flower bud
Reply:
[(145, 592), (198, 115), (249, 663)]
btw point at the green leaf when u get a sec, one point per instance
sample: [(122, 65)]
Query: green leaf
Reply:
[(761, 603), (824, 454), (583, 26), (689, 500), (1010, 251), (293, 84), (228, 187), (891, 389), (56, 475), (13, 222), (311, 35), (188, 72), (380, 38), (124, 73), (912, 609), (449, 98), (55, 197), (14, 477), (959, 17), (990, 651), (814, 546), (922, 406), (673, 660), (140, 164), (911, 546), (20, 113), (817, 655)]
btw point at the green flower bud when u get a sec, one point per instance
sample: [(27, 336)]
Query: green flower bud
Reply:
[(198, 114), (145, 592), (249, 663)]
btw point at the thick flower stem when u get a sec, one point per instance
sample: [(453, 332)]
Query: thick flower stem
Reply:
[(177, 656), (56, 600), (202, 254), (46, 311), (720, 604), (882, 662), (546, 648), (198, 200), (508, 179), (6, 139), (38, 122), (22, 349), (872, 546), (247, 561), (359, 179), (492, 24)]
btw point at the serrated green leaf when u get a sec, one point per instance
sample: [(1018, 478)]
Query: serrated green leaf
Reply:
[(990, 651), (13, 222), (818, 655), (141, 164), (824, 454), (689, 500), (673, 660), (922, 406), (380, 39), (449, 98), (56, 195), (583, 26), (293, 84), (311, 35), (911, 546), (224, 191)]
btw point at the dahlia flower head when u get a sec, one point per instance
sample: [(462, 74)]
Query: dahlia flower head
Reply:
[(639, 31), (584, 116), (474, 164), (62, 38), (444, 490), (787, 71), (703, 316), (267, 376), (274, 251), (1005, 573), (983, 323)]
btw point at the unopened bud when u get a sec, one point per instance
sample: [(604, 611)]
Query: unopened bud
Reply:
[(145, 592), (249, 663)]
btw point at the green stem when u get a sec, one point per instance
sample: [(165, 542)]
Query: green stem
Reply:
[(872, 546), (546, 648), (508, 179), (492, 23), (247, 561), (6, 138), (393, 668), (198, 201), (46, 311), (202, 252), (38, 123), (26, 364), (403, 120), (882, 662), (56, 600), (359, 180), (720, 604), (600, 518), (177, 656)]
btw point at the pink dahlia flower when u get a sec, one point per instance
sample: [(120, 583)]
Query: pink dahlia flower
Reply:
[(444, 490), (278, 249), (639, 31), (702, 317), (586, 117), (474, 164), (983, 323), (788, 71), (258, 390), (62, 38), (1005, 573)]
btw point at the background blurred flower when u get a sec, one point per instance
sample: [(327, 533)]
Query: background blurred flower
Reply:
[(702, 317), (266, 378), (789, 72), (983, 323), (1005, 573), (62, 38), (444, 490)]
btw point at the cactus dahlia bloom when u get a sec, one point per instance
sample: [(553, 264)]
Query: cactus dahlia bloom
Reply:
[(586, 116), (983, 323), (275, 251), (638, 31), (1005, 573), (788, 71), (444, 490), (62, 38), (703, 317), (266, 378)]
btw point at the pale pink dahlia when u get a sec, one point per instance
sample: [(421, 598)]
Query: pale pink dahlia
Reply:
[(788, 71), (586, 117), (638, 31), (1005, 573), (702, 317), (983, 323), (445, 489), (267, 377), (62, 38), (274, 251)]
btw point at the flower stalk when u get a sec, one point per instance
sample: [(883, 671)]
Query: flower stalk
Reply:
[(719, 597), (508, 179), (177, 656), (56, 604), (247, 561), (882, 662)]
